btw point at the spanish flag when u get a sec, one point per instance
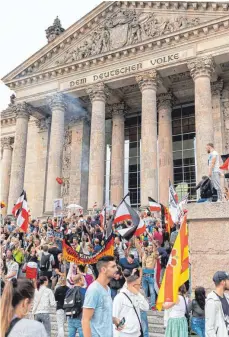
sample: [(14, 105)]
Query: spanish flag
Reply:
[(177, 270)]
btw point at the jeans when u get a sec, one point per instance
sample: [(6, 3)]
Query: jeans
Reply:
[(202, 200), (74, 324), (216, 184), (45, 320), (144, 321), (198, 326), (148, 284), (60, 318), (113, 293)]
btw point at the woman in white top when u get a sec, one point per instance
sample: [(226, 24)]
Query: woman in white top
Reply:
[(177, 325), (44, 299)]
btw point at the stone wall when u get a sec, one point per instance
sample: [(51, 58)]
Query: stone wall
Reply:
[(208, 241)]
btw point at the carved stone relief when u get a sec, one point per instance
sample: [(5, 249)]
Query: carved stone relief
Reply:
[(123, 28)]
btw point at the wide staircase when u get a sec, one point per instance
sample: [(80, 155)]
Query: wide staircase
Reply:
[(155, 320)]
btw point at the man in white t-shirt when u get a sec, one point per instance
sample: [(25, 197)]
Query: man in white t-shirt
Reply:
[(213, 169)]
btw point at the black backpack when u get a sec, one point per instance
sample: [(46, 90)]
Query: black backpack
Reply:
[(45, 262), (73, 303)]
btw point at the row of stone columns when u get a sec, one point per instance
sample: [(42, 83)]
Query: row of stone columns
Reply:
[(201, 70)]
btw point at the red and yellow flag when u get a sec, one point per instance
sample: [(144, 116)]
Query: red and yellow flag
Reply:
[(70, 255), (169, 221), (177, 270)]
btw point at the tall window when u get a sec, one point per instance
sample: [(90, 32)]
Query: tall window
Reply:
[(183, 130), (132, 159)]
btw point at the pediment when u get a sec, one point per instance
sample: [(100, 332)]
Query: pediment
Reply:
[(115, 26)]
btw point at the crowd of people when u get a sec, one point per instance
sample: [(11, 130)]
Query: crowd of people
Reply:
[(110, 298)]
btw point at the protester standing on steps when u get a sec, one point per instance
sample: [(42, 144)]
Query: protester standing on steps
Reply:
[(60, 294), (16, 303), (213, 169), (197, 309), (177, 325), (97, 309), (73, 305), (128, 304), (44, 299), (217, 307)]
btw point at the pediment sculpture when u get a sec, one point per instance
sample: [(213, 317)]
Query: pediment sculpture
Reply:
[(124, 28)]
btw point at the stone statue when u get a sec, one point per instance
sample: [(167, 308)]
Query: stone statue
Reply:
[(55, 30)]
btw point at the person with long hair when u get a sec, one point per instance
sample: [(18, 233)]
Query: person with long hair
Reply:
[(16, 303), (44, 299), (177, 325), (197, 308)]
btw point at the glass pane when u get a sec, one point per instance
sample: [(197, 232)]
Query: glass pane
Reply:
[(177, 143)]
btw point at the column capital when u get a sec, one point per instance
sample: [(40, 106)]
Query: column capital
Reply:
[(6, 142), (43, 124), (217, 87), (22, 110), (117, 110), (165, 100), (148, 80), (98, 92), (77, 119), (201, 66), (58, 100)]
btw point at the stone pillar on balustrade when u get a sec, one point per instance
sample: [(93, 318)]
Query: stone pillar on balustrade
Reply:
[(57, 104), (22, 111), (149, 173), (98, 94), (117, 152), (6, 144), (201, 70), (165, 148)]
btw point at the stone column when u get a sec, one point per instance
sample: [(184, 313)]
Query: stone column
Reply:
[(41, 148), (53, 190), (225, 103), (97, 94), (117, 153), (6, 168), (149, 176), (165, 146), (217, 115), (19, 153), (201, 70)]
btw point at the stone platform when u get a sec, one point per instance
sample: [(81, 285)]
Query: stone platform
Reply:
[(208, 241)]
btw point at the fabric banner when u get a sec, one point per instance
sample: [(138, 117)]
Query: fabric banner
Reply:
[(70, 255)]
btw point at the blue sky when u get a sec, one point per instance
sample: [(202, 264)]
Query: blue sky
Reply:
[(22, 27)]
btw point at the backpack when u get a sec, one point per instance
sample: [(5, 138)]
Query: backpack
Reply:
[(45, 262), (73, 303)]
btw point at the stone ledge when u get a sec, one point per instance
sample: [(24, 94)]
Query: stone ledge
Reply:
[(208, 210)]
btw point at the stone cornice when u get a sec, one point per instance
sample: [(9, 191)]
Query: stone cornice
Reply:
[(175, 37)]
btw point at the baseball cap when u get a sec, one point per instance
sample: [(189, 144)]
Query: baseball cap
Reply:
[(220, 276)]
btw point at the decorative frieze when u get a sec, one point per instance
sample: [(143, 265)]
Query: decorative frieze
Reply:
[(201, 66)]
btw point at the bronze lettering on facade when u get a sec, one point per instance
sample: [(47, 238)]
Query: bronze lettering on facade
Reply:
[(165, 59)]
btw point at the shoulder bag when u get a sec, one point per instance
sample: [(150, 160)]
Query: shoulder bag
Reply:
[(141, 335)]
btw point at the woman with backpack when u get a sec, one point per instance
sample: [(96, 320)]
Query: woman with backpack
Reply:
[(44, 299), (197, 308), (16, 303), (60, 294)]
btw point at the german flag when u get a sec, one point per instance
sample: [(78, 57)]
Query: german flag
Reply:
[(70, 255), (177, 270)]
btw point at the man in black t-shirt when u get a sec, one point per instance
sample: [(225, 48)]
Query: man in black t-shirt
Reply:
[(217, 307)]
